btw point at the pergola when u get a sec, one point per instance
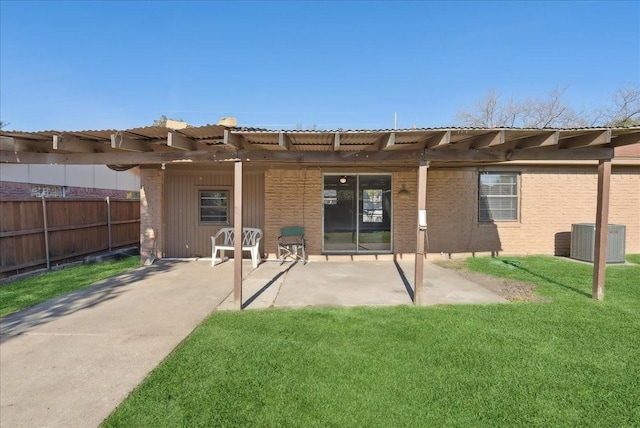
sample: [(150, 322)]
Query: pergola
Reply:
[(419, 148)]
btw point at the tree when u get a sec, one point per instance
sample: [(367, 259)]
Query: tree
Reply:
[(491, 112), (162, 120), (551, 112), (3, 124), (623, 108)]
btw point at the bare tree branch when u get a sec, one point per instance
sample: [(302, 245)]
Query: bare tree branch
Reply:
[(552, 111), (623, 108)]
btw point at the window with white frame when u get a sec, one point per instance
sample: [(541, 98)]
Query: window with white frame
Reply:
[(498, 196), (214, 206)]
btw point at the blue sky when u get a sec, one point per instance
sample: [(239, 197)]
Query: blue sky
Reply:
[(352, 65)]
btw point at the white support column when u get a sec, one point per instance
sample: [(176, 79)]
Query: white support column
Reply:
[(237, 232), (602, 228), (420, 233)]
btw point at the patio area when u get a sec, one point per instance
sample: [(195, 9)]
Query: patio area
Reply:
[(354, 283)]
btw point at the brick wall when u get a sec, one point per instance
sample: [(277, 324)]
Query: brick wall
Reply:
[(405, 211), (551, 200), (151, 213), (293, 198)]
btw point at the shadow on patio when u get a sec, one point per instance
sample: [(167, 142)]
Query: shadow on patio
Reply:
[(99, 293), (360, 283)]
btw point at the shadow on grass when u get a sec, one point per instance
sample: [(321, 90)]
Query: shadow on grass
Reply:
[(267, 285), (405, 280), (518, 265), (22, 322)]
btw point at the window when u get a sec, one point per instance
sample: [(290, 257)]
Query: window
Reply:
[(214, 206), (372, 206), (498, 196)]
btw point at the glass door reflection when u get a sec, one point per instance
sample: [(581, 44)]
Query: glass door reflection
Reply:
[(357, 213), (340, 213)]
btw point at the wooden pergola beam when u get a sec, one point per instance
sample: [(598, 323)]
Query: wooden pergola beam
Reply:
[(389, 143), (122, 141), (70, 143), (285, 143), (385, 141), (438, 140), (181, 142), (542, 140), (236, 141), (158, 157), (552, 153), (592, 138), (13, 144), (491, 139), (602, 229), (479, 141), (626, 139)]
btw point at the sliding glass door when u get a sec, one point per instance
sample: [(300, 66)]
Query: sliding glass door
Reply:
[(357, 213)]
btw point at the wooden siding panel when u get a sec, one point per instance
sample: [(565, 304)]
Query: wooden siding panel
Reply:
[(185, 236)]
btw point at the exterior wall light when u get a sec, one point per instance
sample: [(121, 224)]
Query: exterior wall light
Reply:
[(404, 193), (343, 179)]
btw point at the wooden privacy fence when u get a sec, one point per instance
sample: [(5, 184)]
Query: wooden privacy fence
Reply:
[(38, 232)]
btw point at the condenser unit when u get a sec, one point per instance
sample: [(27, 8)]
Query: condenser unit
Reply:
[(583, 238)]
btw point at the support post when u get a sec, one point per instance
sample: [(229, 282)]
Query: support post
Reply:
[(46, 232), (109, 221), (237, 235), (420, 233), (602, 228)]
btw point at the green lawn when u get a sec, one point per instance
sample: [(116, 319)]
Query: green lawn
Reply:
[(28, 292), (571, 362)]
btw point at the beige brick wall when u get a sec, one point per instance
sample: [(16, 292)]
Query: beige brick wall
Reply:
[(405, 212), (552, 199), (452, 206), (151, 213), (293, 198)]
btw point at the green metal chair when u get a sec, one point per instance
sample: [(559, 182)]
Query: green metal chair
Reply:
[(291, 244)]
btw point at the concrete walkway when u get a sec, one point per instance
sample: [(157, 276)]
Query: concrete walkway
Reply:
[(70, 361)]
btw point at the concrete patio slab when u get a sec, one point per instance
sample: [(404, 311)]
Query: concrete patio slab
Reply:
[(260, 287), (444, 286), (342, 284)]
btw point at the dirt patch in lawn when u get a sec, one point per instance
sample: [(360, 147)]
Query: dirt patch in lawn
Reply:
[(510, 289)]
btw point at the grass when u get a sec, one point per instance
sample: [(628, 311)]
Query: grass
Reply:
[(634, 258), (22, 294), (572, 362), (563, 280)]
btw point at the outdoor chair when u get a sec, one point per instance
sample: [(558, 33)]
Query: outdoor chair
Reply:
[(224, 240), (291, 244)]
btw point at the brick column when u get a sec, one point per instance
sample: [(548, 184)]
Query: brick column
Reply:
[(151, 214)]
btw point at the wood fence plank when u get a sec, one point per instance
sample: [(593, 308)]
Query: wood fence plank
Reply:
[(77, 227)]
